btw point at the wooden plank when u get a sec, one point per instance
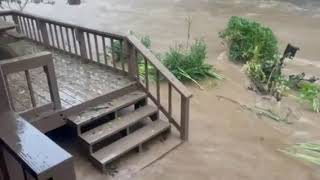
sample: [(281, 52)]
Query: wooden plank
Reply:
[(95, 112), (26, 62), (118, 148), (104, 131)]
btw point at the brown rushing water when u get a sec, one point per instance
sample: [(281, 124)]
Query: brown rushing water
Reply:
[(226, 142)]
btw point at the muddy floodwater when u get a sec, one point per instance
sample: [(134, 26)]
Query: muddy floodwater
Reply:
[(226, 142)]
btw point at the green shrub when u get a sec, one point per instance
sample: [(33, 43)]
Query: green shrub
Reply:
[(248, 39), (189, 64), (251, 43), (310, 93)]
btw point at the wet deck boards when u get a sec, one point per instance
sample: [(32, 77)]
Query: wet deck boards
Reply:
[(78, 82)]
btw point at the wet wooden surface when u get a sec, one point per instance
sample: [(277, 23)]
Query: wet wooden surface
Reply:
[(77, 82), (38, 153)]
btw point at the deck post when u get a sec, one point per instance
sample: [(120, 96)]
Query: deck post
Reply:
[(16, 22), (42, 27), (52, 83), (185, 104), (82, 44), (131, 55)]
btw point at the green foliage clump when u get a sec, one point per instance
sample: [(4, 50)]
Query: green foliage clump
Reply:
[(249, 39), (189, 64), (256, 45), (310, 93)]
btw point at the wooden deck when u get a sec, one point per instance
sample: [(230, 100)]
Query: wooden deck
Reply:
[(77, 82)]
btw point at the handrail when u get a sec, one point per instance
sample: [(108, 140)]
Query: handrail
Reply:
[(158, 65), (136, 48)]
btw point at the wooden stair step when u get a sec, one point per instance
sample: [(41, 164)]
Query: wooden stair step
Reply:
[(96, 112), (104, 131), (127, 143)]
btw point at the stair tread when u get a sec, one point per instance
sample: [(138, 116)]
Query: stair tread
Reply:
[(129, 142), (106, 130), (92, 113)]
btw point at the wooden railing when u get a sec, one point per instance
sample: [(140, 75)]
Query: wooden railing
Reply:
[(25, 152), (25, 64), (115, 51)]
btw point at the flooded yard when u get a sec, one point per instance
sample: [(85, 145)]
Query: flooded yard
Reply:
[(226, 142)]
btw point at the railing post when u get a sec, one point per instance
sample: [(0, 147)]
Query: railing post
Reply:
[(82, 44), (185, 113), (131, 55), (52, 84), (16, 22), (44, 32)]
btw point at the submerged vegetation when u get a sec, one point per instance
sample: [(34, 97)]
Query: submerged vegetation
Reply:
[(257, 46), (188, 64), (310, 93), (309, 152)]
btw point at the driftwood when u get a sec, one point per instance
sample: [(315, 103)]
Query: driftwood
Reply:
[(260, 111)]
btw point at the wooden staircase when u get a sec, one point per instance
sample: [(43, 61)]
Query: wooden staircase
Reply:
[(117, 126)]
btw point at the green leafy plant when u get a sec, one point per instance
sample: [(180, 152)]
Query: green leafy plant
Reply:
[(251, 43), (188, 64), (310, 93), (248, 39)]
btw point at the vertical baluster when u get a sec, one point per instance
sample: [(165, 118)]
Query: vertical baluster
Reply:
[(29, 28), (146, 73), (56, 34), (68, 39), (25, 26), (62, 38), (42, 26), (16, 22), (21, 25), (158, 86), (104, 50), (122, 56), (33, 29), (29, 83), (74, 42), (51, 35), (89, 46), (80, 35), (113, 54), (38, 30), (170, 99), (185, 103), (97, 47), (4, 18)]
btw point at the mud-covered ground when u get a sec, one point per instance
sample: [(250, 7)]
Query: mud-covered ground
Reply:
[(226, 141)]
